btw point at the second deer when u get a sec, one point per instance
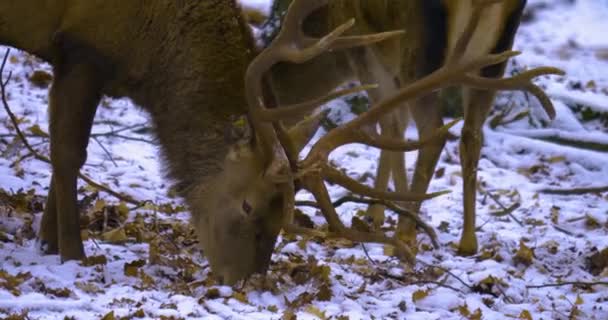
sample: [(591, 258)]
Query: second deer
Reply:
[(431, 40)]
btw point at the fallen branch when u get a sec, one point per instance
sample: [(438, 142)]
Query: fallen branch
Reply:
[(402, 279), (575, 191)]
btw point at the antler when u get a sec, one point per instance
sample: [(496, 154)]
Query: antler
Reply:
[(291, 45)]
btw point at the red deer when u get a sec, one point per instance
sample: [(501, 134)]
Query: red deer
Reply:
[(432, 30)]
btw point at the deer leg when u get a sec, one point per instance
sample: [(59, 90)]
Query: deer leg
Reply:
[(477, 104), (73, 101), (426, 113), (49, 239), (383, 174), (391, 164), (398, 169), (392, 125)]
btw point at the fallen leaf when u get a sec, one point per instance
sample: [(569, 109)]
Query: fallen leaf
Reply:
[(524, 255), (419, 295)]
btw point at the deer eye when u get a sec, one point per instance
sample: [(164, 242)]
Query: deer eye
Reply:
[(247, 207)]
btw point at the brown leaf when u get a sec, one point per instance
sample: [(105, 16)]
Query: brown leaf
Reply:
[(140, 313), (131, 269), (525, 315), (12, 283), (419, 295), (324, 293), (116, 236), (94, 261), (212, 293), (239, 296), (316, 312), (524, 255), (109, 316), (289, 315), (598, 262), (88, 287), (41, 79), (359, 225)]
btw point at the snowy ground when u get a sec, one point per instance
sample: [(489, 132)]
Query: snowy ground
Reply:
[(143, 263)]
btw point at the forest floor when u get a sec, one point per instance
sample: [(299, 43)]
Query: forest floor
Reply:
[(540, 258)]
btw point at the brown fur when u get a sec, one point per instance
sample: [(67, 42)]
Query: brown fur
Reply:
[(184, 62)]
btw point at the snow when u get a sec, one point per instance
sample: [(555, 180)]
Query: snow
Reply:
[(364, 284)]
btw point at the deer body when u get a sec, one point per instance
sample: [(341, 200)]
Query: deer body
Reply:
[(432, 29), (182, 61)]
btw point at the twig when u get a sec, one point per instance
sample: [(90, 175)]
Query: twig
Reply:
[(568, 232), (387, 275), (575, 191), (134, 139), (21, 159), (106, 151), (367, 255), (568, 283), (36, 154), (44, 135), (390, 205), (437, 283), (505, 210), (448, 272), (114, 132), (29, 135)]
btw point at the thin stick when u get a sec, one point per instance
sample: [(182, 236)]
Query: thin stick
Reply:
[(505, 210), (575, 191), (106, 151), (568, 283)]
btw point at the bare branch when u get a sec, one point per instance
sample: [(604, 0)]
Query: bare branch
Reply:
[(575, 191)]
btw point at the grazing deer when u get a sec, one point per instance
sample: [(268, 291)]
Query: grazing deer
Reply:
[(185, 63), (432, 31), (182, 61)]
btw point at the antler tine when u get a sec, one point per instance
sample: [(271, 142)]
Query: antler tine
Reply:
[(304, 108), (333, 175), (291, 45), (322, 150), (401, 145), (288, 46), (522, 81), (454, 73)]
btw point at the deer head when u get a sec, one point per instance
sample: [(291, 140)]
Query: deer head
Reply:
[(241, 210)]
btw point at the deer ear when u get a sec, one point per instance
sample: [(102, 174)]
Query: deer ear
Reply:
[(304, 130)]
